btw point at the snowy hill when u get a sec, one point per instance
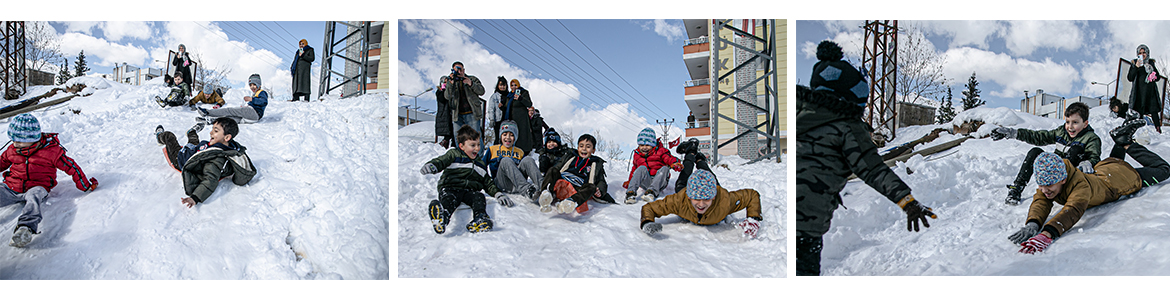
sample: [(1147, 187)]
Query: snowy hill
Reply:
[(605, 242), (317, 209), (966, 188)]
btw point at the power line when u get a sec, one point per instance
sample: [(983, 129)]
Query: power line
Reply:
[(286, 30), (274, 41), (553, 86), (606, 64), (276, 33), (237, 46), (250, 36)]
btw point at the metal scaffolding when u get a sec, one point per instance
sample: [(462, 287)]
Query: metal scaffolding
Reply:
[(356, 51), (13, 75), (880, 59), (746, 77)]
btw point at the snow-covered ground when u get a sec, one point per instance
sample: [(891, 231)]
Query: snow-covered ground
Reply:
[(317, 209), (966, 188), (605, 242)]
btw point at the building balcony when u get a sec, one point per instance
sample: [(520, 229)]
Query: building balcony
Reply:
[(697, 87), (699, 131), (696, 45)]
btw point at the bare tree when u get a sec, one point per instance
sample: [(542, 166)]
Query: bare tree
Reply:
[(920, 73), (213, 75), (43, 46), (608, 149)]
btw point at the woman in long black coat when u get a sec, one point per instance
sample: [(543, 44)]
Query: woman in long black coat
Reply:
[(301, 83), (1144, 98), (516, 108), (443, 124), (182, 63)]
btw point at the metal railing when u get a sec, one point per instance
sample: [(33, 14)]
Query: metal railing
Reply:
[(697, 82), (695, 41)]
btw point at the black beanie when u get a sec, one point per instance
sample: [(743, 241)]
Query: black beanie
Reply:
[(831, 74)]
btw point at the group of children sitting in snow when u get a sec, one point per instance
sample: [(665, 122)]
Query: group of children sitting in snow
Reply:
[(833, 142), (33, 158), (565, 179)]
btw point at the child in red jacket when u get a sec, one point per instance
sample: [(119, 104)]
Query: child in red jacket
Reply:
[(651, 171), (31, 165)]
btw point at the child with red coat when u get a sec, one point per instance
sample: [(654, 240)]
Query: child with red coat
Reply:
[(34, 159), (651, 171)]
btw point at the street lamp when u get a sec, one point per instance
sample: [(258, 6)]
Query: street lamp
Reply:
[(1106, 86), (415, 102)]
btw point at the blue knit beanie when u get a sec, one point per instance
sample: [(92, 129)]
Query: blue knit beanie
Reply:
[(1049, 169), (647, 137), (701, 185), (24, 128), (509, 126), (552, 135)]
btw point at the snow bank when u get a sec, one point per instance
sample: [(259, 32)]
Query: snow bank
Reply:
[(605, 242), (318, 209), (965, 186)]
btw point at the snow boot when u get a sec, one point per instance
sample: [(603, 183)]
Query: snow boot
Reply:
[(566, 206), (631, 198), (21, 237), (649, 196), (158, 134), (545, 202), (531, 192), (1014, 192), (481, 223), (1123, 135), (439, 216)]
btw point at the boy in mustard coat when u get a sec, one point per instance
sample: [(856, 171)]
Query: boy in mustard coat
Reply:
[(705, 203)]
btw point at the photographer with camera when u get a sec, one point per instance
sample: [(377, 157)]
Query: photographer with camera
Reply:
[(462, 92), (692, 158)]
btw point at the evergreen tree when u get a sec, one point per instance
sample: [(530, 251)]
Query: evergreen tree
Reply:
[(64, 75), (946, 111), (971, 95), (79, 67)]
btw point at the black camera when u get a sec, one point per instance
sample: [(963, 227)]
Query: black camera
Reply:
[(690, 146)]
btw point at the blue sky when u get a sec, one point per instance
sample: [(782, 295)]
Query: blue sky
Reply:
[(572, 91), (1008, 57), (264, 48)]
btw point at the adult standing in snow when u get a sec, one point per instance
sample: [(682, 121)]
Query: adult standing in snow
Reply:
[(1082, 146), (1062, 182), (831, 143), (300, 71), (536, 123), (515, 108), (495, 111), (705, 203), (443, 123), (462, 92), (1144, 98), (182, 63)]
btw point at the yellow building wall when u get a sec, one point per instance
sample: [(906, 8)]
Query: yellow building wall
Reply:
[(384, 60), (728, 55)]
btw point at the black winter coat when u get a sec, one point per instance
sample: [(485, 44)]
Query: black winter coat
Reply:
[(443, 123), (202, 172), (301, 83), (538, 126), (182, 64), (1144, 98), (517, 110)]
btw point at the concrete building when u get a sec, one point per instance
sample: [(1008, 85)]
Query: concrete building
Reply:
[(1052, 106), (700, 98), (411, 115), (128, 74), (378, 65)]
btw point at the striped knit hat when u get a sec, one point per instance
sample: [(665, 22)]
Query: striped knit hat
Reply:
[(1049, 169), (647, 137), (701, 185), (24, 129), (509, 126)]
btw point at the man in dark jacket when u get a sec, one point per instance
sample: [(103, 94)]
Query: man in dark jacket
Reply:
[(462, 92), (301, 65), (831, 143), (204, 163)]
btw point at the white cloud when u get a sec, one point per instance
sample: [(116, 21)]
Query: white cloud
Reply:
[(963, 33), (1015, 75), (116, 31), (442, 42), (672, 32), (80, 26), (850, 43), (100, 52), (1023, 37)]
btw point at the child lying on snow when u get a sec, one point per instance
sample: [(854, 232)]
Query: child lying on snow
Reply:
[(651, 171), (204, 163), (463, 177), (34, 158), (575, 180), (1063, 183), (1076, 132), (705, 203)]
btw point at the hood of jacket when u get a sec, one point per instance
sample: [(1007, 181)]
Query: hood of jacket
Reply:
[(816, 108)]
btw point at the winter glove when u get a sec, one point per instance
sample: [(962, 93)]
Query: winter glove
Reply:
[(915, 212), (503, 200), (429, 168), (677, 167), (92, 185), (651, 228), (1025, 233), (750, 227), (1086, 167), (1003, 132), (1036, 244)]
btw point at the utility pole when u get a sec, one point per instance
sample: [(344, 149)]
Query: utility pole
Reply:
[(665, 129)]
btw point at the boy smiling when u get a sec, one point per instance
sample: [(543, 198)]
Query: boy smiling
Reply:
[(1082, 146)]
